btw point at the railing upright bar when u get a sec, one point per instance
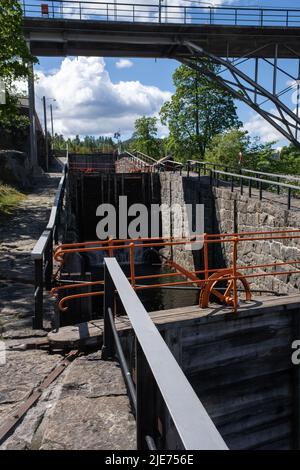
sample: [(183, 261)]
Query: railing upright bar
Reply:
[(146, 420), (37, 320), (49, 261), (108, 348), (125, 371)]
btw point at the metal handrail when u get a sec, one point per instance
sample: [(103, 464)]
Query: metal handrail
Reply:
[(146, 157), (259, 181), (42, 253), (160, 13), (154, 359), (245, 170)]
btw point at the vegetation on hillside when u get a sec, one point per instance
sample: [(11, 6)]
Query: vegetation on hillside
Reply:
[(88, 144), (9, 199), (236, 148), (15, 62)]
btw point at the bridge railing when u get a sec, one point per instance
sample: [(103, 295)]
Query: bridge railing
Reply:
[(42, 254), (157, 12), (217, 176), (205, 166), (156, 374)]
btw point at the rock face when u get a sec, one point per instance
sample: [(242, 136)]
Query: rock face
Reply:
[(92, 411), (15, 168)]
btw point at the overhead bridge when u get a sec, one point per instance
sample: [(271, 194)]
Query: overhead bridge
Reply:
[(227, 36), (138, 30)]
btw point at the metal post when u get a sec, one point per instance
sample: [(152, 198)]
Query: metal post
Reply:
[(132, 270), (256, 78), (46, 135), (278, 187), (260, 190), (31, 97), (188, 169), (145, 395), (241, 185), (250, 188), (49, 261), (37, 320), (232, 184), (52, 128), (275, 70), (289, 198), (234, 273), (108, 348)]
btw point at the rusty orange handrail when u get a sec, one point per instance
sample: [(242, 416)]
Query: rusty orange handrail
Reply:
[(211, 276)]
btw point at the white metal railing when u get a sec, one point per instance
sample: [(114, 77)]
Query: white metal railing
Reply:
[(158, 12)]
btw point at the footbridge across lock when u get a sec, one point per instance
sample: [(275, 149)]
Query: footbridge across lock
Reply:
[(230, 37)]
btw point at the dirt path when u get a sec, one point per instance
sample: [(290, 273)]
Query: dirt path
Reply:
[(18, 235)]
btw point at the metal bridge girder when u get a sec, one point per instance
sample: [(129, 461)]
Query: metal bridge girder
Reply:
[(240, 84)]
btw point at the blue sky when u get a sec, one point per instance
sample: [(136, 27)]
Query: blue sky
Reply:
[(149, 79)]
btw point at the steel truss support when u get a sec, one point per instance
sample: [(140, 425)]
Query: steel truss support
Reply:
[(268, 103)]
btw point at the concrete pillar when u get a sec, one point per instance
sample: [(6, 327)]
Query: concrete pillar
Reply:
[(33, 140)]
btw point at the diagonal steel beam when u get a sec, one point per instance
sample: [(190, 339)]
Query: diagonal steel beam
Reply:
[(286, 119), (268, 116)]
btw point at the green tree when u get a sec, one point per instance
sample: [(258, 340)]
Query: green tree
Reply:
[(198, 110), (15, 60), (225, 149), (145, 138), (289, 161)]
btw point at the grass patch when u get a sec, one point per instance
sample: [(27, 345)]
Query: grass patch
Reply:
[(10, 198)]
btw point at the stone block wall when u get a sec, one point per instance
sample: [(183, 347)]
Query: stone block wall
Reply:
[(239, 213)]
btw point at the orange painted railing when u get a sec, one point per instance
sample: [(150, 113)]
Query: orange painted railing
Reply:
[(207, 279)]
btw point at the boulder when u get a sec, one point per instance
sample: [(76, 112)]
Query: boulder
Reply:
[(15, 168)]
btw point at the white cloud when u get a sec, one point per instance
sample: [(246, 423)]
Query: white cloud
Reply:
[(124, 64), (88, 102), (258, 126)]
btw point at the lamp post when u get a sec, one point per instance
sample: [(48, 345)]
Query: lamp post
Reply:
[(44, 99), (46, 134), (51, 115)]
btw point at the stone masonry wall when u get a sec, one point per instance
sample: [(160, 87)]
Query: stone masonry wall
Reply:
[(239, 213), (231, 212)]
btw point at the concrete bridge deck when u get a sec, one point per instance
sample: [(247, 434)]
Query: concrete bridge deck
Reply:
[(59, 37)]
